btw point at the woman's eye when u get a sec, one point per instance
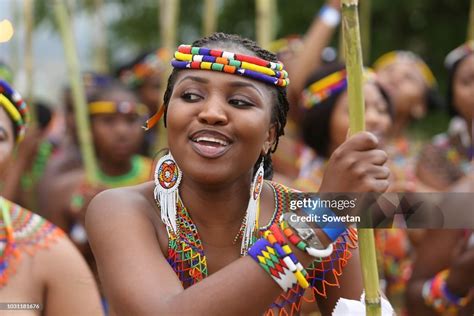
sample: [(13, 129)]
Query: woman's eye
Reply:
[(190, 97), (240, 103)]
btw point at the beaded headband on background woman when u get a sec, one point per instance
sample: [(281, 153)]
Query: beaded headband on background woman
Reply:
[(400, 55), (16, 109), (329, 85), (134, 75)]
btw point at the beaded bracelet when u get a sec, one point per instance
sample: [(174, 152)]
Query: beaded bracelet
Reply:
[(437, 295), (275, 237), (266, 256), (296, 240), (277, 259)]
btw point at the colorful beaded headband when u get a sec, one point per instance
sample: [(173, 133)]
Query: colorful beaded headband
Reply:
[(333, 83), (110, 107), (459, 53), (187, 57), (391, 57), (15, 107), (150, 64), (322, 89)]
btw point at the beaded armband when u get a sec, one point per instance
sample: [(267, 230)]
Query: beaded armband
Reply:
[(304, 233), (437, 295), (276, 258)]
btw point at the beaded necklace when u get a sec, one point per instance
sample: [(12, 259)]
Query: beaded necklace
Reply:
[(187, 258), (33, 175), (21, 231), (139, 172)]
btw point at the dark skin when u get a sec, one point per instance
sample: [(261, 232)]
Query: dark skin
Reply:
[(451, 252), (150, 92), (116, 137), (57, 276), (406, 87), (451, 249), (239, 109)]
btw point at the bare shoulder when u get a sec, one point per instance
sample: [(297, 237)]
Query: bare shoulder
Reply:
[(122, 210), (122, 202)]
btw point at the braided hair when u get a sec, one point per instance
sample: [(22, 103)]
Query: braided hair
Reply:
[(280, 102)]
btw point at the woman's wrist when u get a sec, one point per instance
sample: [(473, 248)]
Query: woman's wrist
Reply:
[(455, 284)]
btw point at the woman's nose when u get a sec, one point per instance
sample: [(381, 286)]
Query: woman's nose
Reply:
[(213, 112), (371, 118)]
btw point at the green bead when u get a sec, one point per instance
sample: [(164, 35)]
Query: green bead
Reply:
[(265, 267), (217, 67), (234, 63)]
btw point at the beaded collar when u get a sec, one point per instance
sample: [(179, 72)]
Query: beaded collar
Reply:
[(186, 256), (21, 231)]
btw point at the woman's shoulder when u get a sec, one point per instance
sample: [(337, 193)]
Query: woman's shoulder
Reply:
[(122, 198), (119, 206)]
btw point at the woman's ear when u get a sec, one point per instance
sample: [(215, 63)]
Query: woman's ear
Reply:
[(270, 139)]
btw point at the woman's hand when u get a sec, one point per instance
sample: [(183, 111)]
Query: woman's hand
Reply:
[(357, 166)]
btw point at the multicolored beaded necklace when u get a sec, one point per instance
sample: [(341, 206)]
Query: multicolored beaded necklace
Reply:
[(187, 258), (21, 231)]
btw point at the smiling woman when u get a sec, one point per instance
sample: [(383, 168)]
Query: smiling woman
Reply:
[(206, 237)]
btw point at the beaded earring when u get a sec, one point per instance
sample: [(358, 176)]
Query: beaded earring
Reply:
[(167, 180), (253, 209)]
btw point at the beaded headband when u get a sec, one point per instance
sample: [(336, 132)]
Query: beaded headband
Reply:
[(150, 64), (333, 83), (15, 107), (393, 56), (322, 89), (188, 57), (110, 107), (459, 53)]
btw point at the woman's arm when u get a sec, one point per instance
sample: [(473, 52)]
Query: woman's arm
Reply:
[(139, 281), (434, 254), (309, 57), (70, 286)]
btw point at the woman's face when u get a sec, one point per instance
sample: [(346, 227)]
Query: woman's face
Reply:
[(7, 141), (117, 136), (405, 85), (377, 117), (218, 125), (463, 88), (150, 92)]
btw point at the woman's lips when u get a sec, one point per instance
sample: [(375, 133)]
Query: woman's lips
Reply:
[(209, 149), (210, 143)]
